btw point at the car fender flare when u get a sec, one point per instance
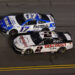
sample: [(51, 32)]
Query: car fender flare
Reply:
[(10, 31), (29, 50), (62, 50)]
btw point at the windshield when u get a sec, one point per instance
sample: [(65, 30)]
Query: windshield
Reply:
[(36, 38), (31, 22), (20, 18)]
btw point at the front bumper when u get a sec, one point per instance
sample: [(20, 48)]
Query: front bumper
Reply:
[(2, 26), (2, 29)]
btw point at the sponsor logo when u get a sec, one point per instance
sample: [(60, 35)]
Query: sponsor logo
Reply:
[(55, 45), (23, 40)]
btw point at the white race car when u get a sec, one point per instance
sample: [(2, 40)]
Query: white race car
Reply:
[(39, 42), (27, 22)]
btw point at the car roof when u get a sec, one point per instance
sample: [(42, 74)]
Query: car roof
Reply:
[(37, 15), (36, 37)]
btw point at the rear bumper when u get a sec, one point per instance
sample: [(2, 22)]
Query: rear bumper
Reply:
[(69, 45)]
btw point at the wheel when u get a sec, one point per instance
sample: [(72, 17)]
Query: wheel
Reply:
[(45, 29), (29, 51), (13, 32), (62, 50)]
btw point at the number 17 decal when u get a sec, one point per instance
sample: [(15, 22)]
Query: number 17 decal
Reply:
[(23, 29)]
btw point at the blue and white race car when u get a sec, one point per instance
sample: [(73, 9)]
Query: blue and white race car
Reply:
[(26, 22)]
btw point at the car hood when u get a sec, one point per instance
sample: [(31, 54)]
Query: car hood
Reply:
[(5, 23), (23, 41), (13, 20)]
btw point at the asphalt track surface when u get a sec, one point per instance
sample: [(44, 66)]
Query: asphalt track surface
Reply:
[(64, 12)]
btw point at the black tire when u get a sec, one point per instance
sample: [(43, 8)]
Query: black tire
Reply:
[(62, 50), (29, 51), (45, 29), (13, 32)]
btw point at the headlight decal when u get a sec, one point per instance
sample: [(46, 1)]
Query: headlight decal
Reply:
[(8, 24), (3, 24), (7, 21)]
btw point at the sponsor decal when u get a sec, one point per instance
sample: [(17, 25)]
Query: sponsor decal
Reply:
[(55, 45), (23, 40)]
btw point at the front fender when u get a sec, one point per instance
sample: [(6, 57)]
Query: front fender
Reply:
[(11, 30)]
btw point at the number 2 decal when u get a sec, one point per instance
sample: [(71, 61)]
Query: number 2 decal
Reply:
[(38, 49)]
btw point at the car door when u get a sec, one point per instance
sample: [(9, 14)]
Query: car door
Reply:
[(32, 25), (44, 46), (39, 48), (42, 24), (48, 45)]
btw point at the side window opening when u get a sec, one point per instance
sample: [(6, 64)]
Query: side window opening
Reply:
[(40, 22), (31, 22)]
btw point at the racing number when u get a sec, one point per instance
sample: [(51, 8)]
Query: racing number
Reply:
[(29, 16), (38, 49), (23, 29)]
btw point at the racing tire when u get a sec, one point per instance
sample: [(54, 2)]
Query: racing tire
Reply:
[(45, 29), (28, 51), (13, 32), (62, 50)]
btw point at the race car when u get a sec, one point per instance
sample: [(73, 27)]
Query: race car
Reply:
[(40, 42), (26, 22)]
